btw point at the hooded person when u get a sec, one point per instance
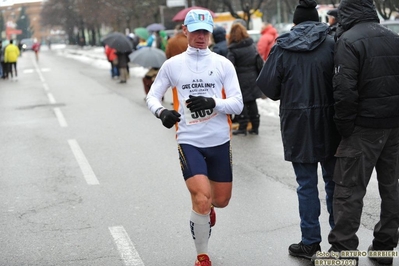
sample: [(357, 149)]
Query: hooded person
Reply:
[(333, 20), (305, 11), (366, 93), (220, 42), (299, 72)]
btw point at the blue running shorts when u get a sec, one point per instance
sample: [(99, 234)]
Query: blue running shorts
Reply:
[(214, 162)]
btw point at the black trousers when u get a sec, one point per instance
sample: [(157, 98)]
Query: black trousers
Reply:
[(357, 156), (249, 113), (10, 67), (5, 69)]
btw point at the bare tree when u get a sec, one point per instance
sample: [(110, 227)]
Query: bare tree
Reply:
[(386, 7), (80, 18), (61, 13), (249, 7), (92, 14)]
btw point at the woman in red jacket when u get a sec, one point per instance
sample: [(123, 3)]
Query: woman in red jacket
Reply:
[(113, 59)]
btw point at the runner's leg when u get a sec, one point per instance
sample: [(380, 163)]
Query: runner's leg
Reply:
[(200, 227)]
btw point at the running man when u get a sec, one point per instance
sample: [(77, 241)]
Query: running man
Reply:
[(205, 92), (36, 49)]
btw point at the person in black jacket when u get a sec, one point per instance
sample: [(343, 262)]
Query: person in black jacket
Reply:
[(366, 93), (220, 43), (333, 20), (299, 73), (243, 54), (123, 65)]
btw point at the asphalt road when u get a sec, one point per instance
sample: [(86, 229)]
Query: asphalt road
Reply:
[(88, 176)]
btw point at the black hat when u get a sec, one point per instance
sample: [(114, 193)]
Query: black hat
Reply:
[(305, 11), (333, 13)]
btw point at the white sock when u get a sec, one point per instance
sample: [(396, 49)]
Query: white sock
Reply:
[(201, 231)]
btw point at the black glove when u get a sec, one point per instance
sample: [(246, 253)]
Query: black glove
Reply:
[(198, 103), (169, 117)]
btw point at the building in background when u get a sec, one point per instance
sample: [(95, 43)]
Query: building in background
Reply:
[(10, 10), (225, 20)]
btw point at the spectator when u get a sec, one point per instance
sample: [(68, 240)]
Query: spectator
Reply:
[(243, 54), (220, 43), (1, 60), (366, 93), (333, 20), (299, 72), (113, 60), (142, 43), (134, 39), (157, 40), (267, 40), (11, 54), (177, 43), (123, 60)]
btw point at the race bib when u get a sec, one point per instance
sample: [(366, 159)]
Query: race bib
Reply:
[(193, 118)]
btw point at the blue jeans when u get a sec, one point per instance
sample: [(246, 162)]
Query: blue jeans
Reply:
[(308, 197), (115, 71)]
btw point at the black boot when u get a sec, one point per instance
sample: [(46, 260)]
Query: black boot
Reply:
[(304, 251), (240, 131), (253, 132), (255, 121)]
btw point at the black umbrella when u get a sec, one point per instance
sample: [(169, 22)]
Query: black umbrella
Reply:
[(119, 42)]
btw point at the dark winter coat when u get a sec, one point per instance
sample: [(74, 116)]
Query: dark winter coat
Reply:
[(123, 59), (366, 84), (333, 29), (243, 56), (219, 38), (299, 73)]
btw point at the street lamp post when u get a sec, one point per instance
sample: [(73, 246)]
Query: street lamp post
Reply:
[(161, 8)]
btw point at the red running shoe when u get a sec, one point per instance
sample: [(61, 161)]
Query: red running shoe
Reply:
[(203, 260), (212, 216)]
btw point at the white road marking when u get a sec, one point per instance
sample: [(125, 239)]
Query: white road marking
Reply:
[(46, 88), (87, 171), (60, 117), (128, 252), (40, 75), (29, 70), (57, 111), (51, 98), (38, 70)]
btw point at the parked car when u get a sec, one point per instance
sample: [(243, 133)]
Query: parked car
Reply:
[(393, 25), (255, 35), (26, 44)]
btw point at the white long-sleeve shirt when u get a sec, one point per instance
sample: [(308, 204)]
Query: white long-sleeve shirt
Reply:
[(199, 72)]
